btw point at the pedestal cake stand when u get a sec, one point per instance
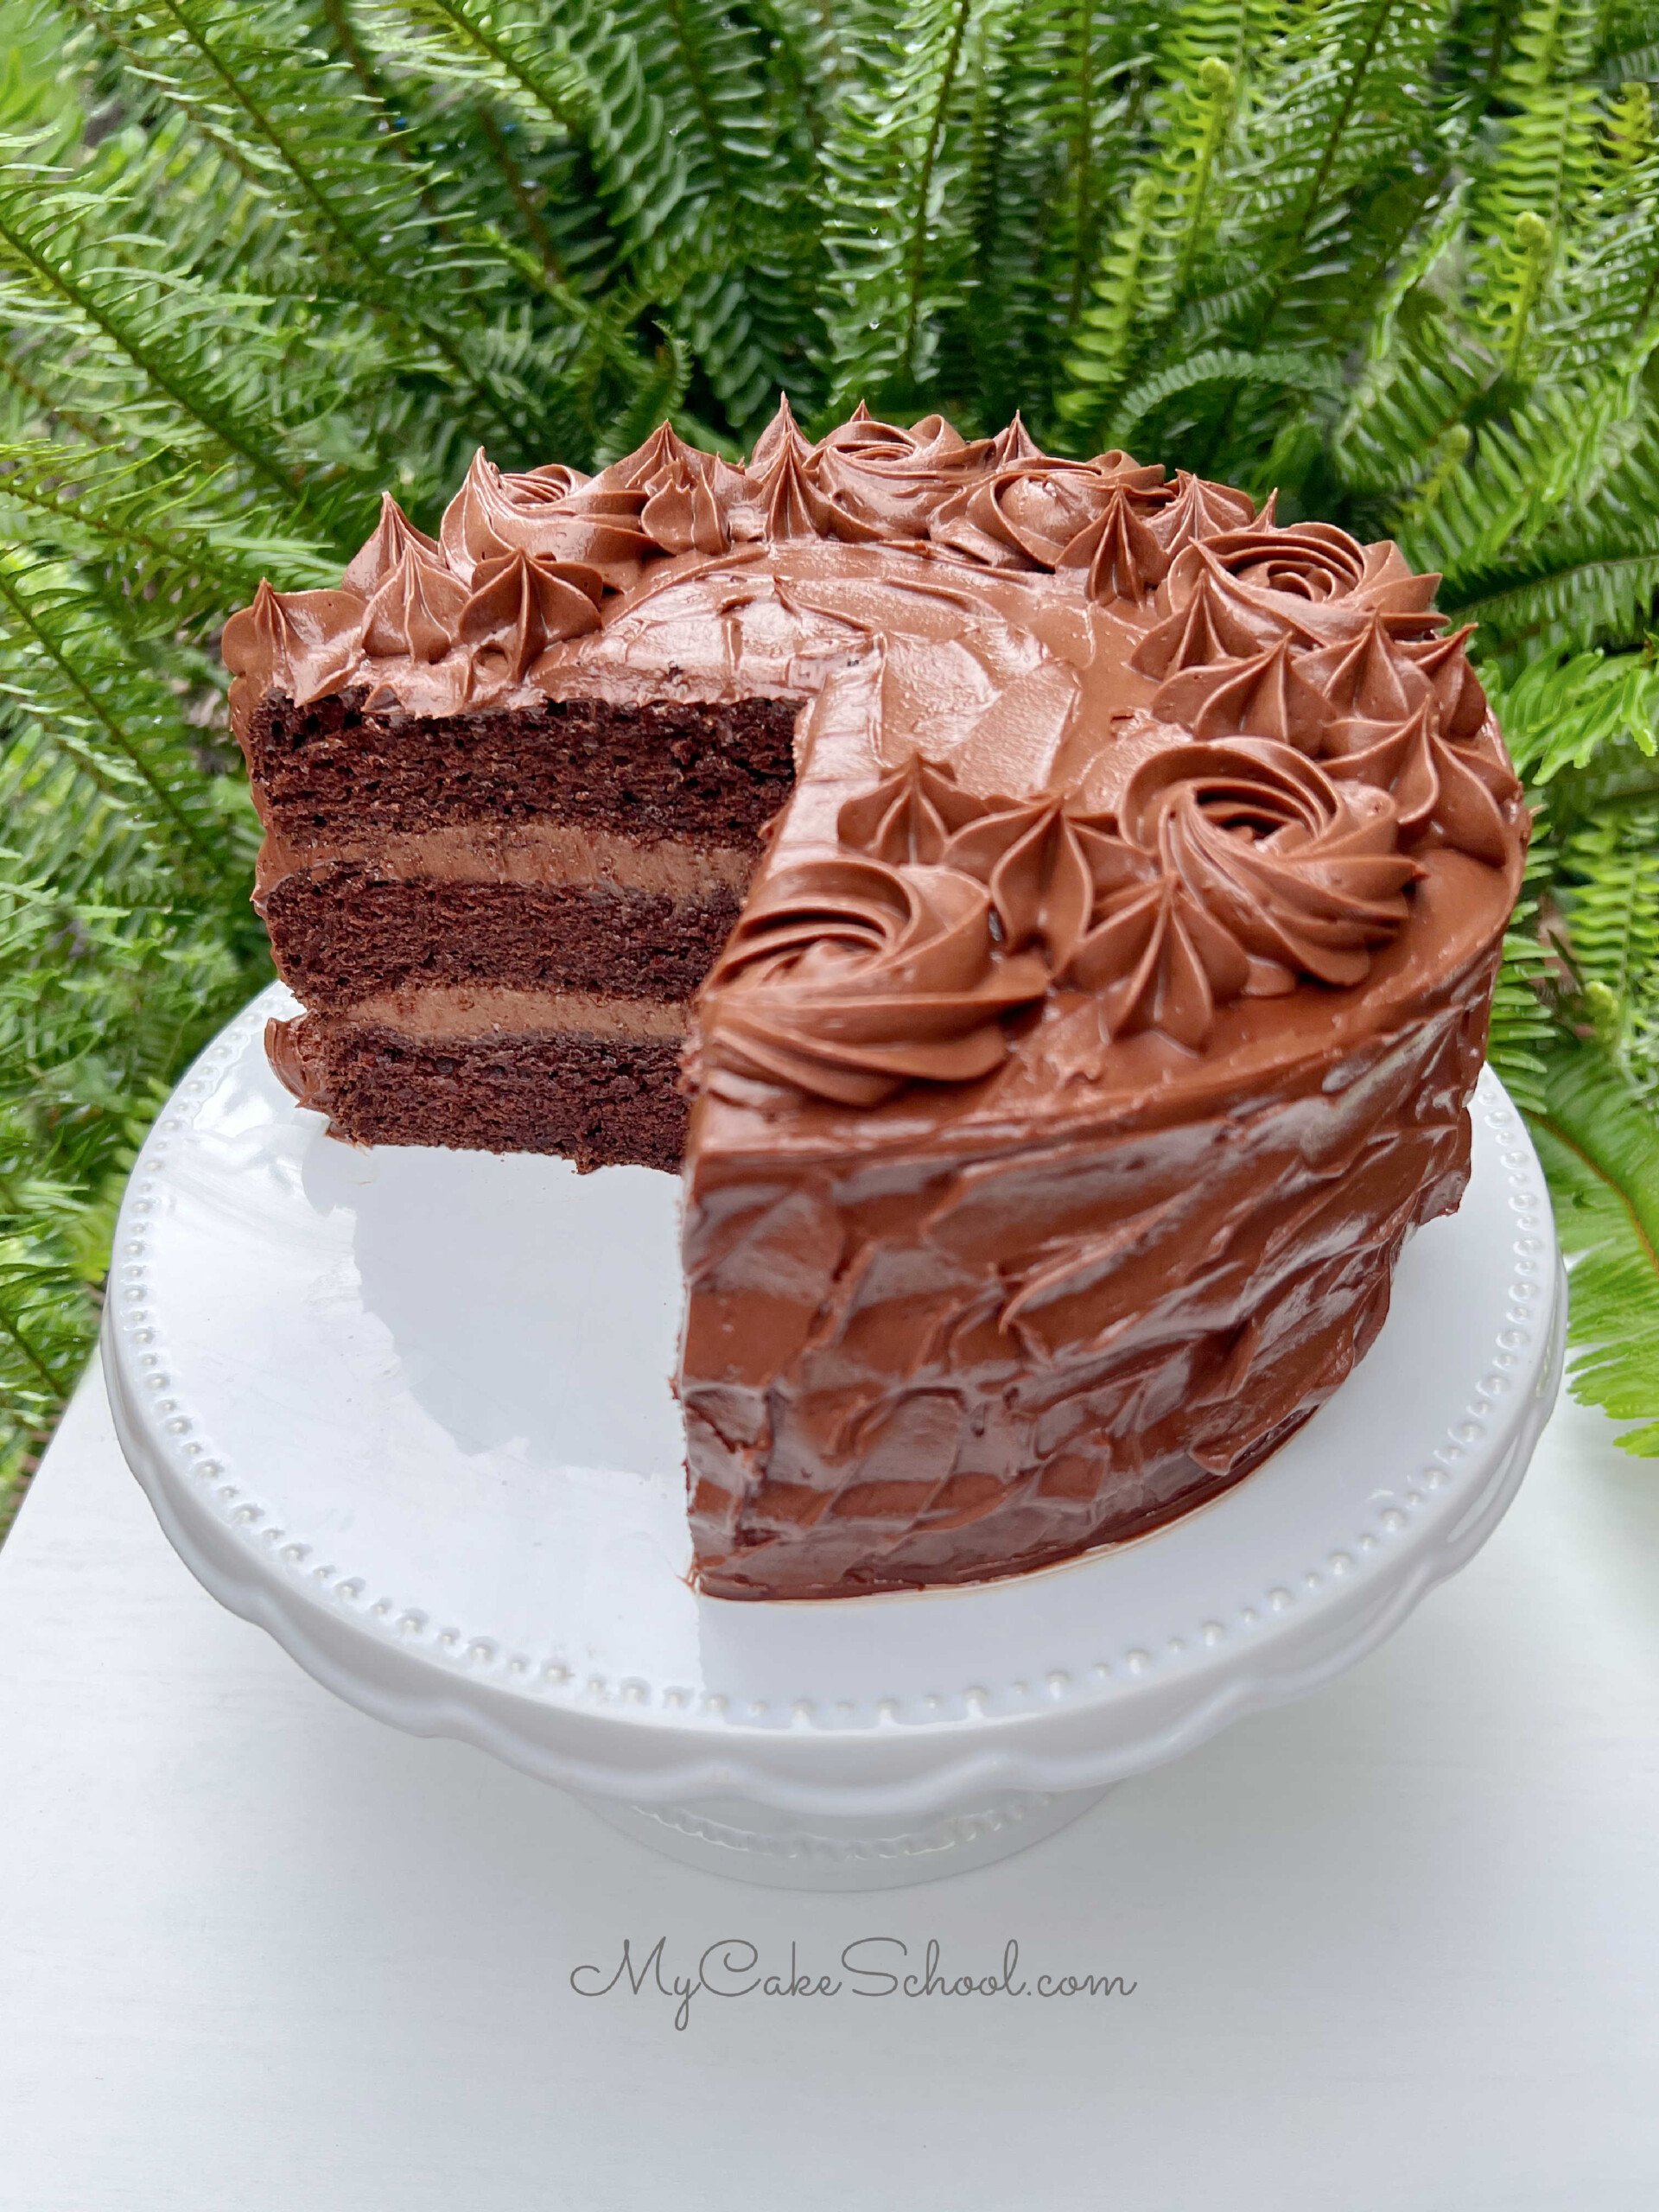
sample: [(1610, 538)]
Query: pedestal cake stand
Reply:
[(410, 1411)]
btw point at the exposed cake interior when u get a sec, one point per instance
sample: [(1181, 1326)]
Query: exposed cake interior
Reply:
[(495, 920)]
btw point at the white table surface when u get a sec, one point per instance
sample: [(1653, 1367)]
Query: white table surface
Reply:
[(1395, 1948)]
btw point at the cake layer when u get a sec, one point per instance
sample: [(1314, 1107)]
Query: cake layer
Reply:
[(495, 1070), (344, 931), (714, 773)]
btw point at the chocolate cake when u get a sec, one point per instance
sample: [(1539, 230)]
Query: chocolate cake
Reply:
[(1068, 898)]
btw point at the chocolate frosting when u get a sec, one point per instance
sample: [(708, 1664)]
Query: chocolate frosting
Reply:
[(1195, 769), (846, 978), (1077, 726), (1241, 868)]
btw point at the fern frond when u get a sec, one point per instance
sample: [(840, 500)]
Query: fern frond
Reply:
[(119, 726), (1222, 365), (892, 161), (1610, 894), (1149, 263), (747, 313), (1523, 1028), (135, 324), (98, 504), (1541, 166), (1561, 713), (1095, 70), (46, 1322), (313, 144), (1601, 1153), (1109, 332), (1350, 98), (1606, 590), (514, 54), (1516, 480)]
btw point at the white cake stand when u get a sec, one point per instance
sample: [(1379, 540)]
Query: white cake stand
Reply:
[(410, 1411)]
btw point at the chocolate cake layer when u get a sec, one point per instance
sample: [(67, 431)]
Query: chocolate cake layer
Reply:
[(580, 1076), (342, 932), (714, 773)]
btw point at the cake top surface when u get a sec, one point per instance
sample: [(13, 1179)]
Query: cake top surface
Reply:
[(1110, 781)]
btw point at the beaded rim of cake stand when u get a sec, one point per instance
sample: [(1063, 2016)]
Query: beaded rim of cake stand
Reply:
[(556, 1680)]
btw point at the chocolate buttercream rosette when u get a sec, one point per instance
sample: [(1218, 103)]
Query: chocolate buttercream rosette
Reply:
[(1237, 870), (847, 978), (1299, 635)]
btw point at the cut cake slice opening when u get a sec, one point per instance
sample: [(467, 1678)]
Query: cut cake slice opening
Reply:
[(494, 921)]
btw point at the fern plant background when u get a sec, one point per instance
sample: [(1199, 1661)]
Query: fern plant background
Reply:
[(1399, 258)]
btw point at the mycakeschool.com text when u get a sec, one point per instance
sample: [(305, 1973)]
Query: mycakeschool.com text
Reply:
[(870, 1965)]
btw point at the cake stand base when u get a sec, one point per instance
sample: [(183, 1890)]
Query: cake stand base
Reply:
[(748, 1842), (410, 1411)]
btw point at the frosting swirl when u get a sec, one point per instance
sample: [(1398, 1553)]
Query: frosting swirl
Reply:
[(878, 480), (1211, 622), (866, 482), (416, 607), (785, 501), (1310, 561), (1236, 868), (1033, 514), (394, 538), (312, 639), (1038, 861), (1033, 856), (686, 497), (847, 978), (1303, 637), (1366, 674), (1445, 662), (910, 816), (552, 514), (1305, 579), (1120, 548), (1466, 795), (1266, 694), (520, 606), (1197, 509)]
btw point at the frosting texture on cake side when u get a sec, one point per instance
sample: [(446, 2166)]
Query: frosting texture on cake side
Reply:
[(1074, 897)]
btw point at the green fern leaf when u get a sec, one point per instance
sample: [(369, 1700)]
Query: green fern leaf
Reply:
[(1560, 714), (1601, 1153), (893, 159)]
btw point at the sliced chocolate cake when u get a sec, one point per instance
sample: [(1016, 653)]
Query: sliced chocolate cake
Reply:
[(493, 901), (1071, 897)]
